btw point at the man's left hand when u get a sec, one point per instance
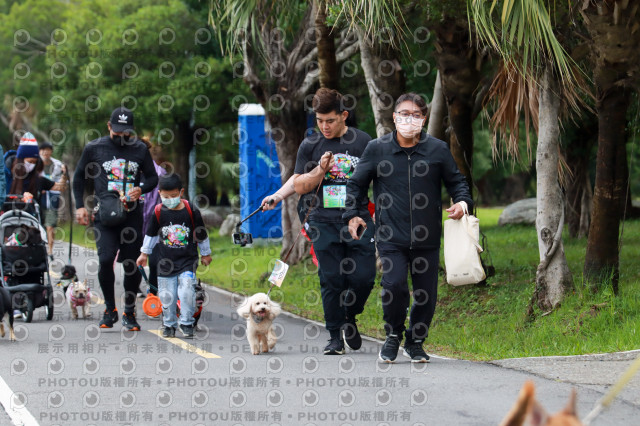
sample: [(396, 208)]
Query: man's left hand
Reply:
[(455, 211), (135, 193), (205, 260)]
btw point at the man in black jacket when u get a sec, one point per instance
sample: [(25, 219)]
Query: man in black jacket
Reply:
[(106, 161), (407, 168), (346, 266)]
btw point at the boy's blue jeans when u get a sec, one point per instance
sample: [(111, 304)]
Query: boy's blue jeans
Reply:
[(178, 287)]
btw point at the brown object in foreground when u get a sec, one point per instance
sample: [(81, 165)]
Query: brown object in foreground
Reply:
[(528, 409)]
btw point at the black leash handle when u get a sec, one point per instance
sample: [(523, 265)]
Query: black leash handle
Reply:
[(259, 209), (146, 279)]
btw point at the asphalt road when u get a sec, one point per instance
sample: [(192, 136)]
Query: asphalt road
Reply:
[(70, 372)]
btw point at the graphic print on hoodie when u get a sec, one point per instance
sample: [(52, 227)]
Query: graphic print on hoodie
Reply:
[(115, 174)]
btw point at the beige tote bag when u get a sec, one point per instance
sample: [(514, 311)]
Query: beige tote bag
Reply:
[(462, 250)]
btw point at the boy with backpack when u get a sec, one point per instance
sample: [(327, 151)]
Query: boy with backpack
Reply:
[(180, 231)]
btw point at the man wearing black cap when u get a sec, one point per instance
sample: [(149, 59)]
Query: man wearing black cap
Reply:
[(53, 170), (115, 163)]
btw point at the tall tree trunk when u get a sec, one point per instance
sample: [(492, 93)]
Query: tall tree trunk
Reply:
[(325, 40), (613, 27), (438, 112), (578, 190), (292, 123), (602, 257), (461, 139), (459, 64), (283, 95), (385, 79), (553, 278)]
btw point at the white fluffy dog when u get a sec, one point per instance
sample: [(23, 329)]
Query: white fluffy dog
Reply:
[(260, 311)]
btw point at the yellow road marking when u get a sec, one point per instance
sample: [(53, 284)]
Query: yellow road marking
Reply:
[(184, 345)]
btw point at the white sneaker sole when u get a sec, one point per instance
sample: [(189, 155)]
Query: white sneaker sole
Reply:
[(416, 361), (346, 344), (385, 361)]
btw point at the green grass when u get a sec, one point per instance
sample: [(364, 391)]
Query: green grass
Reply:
[(471, 322)]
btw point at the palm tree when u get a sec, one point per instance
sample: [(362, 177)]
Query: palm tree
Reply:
[(461, 66), (379, 26), (536, 73), (325, 41), (613, 26), (276, 42)]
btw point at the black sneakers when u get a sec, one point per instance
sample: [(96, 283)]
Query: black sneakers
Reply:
[(351, 335), (168, 331), (414, 351), (335, 347), (129, 321), (186, 330), (389, 350), (109, 318)]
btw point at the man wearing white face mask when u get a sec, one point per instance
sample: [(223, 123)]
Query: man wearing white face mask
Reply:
[(407, 168)]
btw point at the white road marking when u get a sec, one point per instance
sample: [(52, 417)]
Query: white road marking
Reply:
[(15, 407)]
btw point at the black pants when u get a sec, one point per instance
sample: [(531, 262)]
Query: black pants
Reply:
[(347, 270), (128, 239), (395, 289)]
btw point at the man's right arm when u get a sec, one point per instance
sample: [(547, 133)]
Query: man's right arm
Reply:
[(305, 183), (281, 194)]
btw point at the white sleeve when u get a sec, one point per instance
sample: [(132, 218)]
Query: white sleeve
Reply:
[(205, 247), (149, 243)]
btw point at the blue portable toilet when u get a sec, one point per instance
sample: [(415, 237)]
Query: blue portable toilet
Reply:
[(259, 172)]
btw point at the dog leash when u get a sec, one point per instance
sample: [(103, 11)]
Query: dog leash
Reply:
[(613, 392), (259, 209), (315, 197), (66, 172), (146, 279)]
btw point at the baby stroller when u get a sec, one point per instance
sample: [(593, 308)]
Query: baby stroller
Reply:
[(24, 266)]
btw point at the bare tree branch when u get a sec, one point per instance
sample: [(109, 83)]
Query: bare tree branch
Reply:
[(309, 80), (5, 120), (303, 45), (347, 52), (249, 75), (304, 61)]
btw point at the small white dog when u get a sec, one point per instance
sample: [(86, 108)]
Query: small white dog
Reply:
[(260, 311), (79, 295)]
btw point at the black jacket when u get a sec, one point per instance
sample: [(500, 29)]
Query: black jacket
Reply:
[(406, 189), (104, 162)]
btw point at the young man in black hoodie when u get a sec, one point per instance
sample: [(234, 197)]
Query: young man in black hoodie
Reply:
[(407, 168), (106, 160), (346, 267)]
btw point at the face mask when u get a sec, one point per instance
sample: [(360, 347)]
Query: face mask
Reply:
[(29, 167), (409, 128), (170, 203), (120, 140)]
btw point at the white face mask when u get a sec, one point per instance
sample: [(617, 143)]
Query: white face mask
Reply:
[(409, 127), (170, 203), (29, 167)]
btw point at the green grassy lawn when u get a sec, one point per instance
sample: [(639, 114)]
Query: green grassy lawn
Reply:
[(471, 322)]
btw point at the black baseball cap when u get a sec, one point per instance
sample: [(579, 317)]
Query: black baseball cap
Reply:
[(121, 120)]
